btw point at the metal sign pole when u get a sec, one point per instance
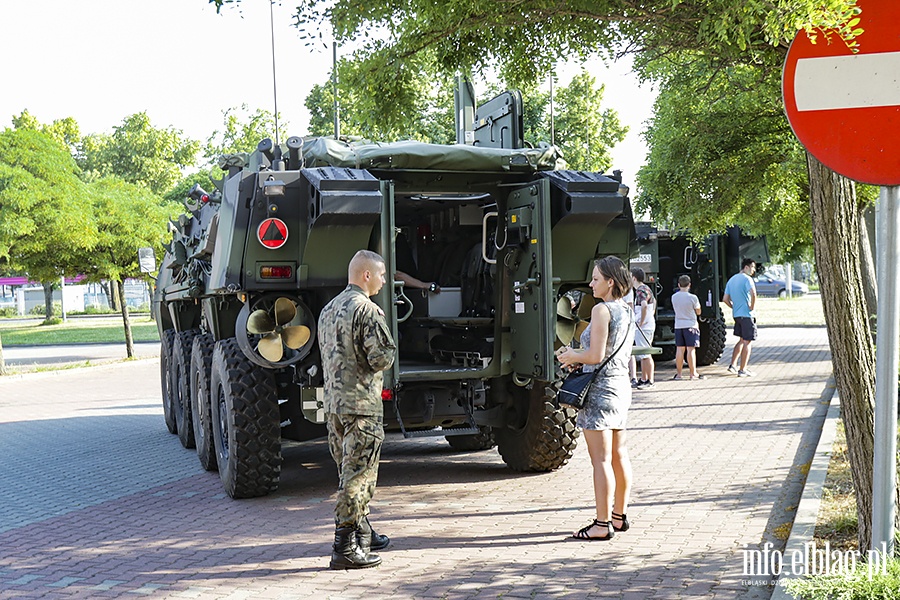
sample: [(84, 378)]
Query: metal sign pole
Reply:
[(887, 245)]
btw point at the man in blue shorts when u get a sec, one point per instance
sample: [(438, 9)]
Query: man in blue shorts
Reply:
[(740, 296)]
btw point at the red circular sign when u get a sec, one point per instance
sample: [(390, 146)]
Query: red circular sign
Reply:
[(272, 233), (845, 107)]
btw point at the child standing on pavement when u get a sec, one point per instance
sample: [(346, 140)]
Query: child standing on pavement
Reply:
[(687, 329)]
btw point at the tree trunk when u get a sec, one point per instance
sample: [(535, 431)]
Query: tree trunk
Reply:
[(48, 300), (118, 298), (836, 217), (109, 289), (2, 362), (867, 262), (129, 341)]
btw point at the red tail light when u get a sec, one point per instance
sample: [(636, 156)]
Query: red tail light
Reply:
[(276, 272), (387, 394)]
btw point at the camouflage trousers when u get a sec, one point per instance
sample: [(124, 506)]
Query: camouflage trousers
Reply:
[(355, 444)]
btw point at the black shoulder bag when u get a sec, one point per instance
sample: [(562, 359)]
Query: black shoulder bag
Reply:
[(576, 385)]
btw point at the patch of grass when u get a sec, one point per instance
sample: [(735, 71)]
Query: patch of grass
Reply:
[(837, 521), (860, 584), (77, 331)]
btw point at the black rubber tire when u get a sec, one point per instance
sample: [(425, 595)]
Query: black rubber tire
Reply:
[(483, 440), (246, 423), (539, 436), (166, 341), (181, 385), (668, 353), (712, 341), (782, 294), (201, 415)]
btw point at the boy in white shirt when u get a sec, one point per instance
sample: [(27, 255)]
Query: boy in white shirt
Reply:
[(687, 329), (645, 326)]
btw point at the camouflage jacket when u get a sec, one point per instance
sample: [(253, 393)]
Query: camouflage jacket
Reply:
[(356, 347)]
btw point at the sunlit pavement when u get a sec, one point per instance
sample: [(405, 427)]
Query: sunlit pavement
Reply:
[(100, 501)]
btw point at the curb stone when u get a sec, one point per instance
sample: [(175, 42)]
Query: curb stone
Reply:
[(808, 510)]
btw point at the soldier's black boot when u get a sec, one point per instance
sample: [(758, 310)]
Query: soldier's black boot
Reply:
[(347, 554), (367, 538)]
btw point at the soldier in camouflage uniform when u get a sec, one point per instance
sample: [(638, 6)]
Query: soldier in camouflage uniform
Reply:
[(356, 346)]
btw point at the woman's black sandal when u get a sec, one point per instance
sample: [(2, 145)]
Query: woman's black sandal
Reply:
[(582, 534), (625, 524)]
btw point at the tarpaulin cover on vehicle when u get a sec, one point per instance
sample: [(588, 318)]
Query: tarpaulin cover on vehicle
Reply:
[(321, 152)]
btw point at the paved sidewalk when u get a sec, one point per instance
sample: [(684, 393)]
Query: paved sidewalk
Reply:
[(99, 501)]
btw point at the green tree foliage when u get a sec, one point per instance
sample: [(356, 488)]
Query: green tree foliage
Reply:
[(241, 131), (128, 217), (45, 218), (585, 131), (65, 131), (429, 99), (139, 153), (722, 153), (402, 38)]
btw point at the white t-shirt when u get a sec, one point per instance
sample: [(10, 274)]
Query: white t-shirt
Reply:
[(685, 305), (644, 296)]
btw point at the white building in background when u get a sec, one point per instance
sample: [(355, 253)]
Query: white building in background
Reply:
[(79, 296)]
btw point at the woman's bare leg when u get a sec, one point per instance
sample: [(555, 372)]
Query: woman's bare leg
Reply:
[(599, 445)]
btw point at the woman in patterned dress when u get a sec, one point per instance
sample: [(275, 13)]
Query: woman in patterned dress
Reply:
[(605, 411)]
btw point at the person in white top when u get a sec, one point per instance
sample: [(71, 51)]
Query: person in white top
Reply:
[(687, 329), (632, 370), (645, 326)]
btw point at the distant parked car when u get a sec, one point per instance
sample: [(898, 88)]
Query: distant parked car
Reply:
[(766, 285)]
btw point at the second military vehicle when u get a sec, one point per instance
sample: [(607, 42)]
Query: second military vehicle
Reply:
[(665, 255)]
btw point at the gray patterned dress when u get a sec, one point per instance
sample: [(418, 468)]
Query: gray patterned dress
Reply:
[(608, 400)]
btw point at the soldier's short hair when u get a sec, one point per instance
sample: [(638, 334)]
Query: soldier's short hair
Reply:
[(362, 260)]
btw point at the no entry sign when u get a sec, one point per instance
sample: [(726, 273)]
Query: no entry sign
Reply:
[(272, 233), (845, 107)]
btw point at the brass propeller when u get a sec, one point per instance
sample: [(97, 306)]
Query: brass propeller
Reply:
[(565, 320), (570, 325), (276, 331), (585, 307)]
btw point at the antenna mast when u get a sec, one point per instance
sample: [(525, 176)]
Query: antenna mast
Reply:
[(274, 84), (334, 87)]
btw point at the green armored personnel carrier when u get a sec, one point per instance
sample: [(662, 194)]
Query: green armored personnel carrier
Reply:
[(502, 231), (665, 255)]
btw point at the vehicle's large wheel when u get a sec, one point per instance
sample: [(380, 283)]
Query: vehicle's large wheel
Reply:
[(245, 421), (668, 353), (181, 385), (201, 416), (782, 294), (166, 341), (483, 440), (538, 436), (712, 340)]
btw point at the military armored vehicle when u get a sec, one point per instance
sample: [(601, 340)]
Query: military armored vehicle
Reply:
[(666, 255), (503, 231)]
